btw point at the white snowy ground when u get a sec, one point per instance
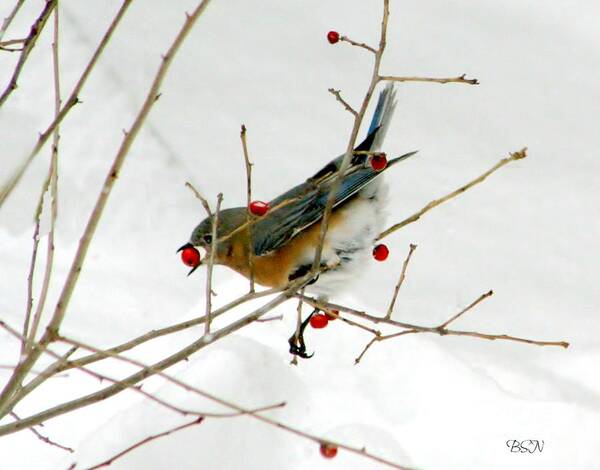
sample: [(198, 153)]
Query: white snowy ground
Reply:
[(529, 232)]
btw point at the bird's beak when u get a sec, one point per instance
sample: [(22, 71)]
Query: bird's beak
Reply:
[(187, 245), (193, 269)]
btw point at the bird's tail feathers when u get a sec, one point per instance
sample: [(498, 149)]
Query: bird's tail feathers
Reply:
[(382, 115)]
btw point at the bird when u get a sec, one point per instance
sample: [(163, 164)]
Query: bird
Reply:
[(283, 242)]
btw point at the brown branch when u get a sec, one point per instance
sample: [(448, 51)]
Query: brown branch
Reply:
[(380, 338), (211, 262), (481, 298), (59, 366), (442, 331), (417, 215), (460, 79), (70, 103), (412, 248), (358, 44), (43, 438), (28, 46), (76, 266), (153, 437), (248, 165), (348, 155), (345, 104), (52, 182), (9, 19), (199, 196)]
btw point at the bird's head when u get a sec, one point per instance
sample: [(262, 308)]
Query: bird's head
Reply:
[(202, 237)]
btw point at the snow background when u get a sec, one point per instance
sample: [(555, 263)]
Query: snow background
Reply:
[(529, 232)]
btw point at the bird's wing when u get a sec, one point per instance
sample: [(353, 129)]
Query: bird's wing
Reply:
[(304, 205)]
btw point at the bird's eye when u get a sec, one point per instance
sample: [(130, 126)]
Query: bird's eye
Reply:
[(208, 238)]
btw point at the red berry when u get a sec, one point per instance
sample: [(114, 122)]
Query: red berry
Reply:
[(259, 207), (332, 314), (328, 451), (333, 37), (319, 321), (378, 161), (190, 256), (381, 252)]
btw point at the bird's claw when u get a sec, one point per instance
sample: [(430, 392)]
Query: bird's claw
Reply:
[(296, 341)]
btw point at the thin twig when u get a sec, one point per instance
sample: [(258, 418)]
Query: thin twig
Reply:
[(345, 104), (248, 165), (481, 298), (199, 196), (52, 181), (460, 79), (211, 262), (28, 46), (69, 104), (76, 266), (43, 438), (348, 155), (11, 16), (60, 366), (432, 329), (417, 215), (358, 44), (412, 248), (163, 364), (140, 443), (380, 338)]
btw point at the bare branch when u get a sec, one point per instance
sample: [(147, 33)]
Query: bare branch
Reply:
[(248, 165), (357, 122), (460, 79), (43, 438), (412, 248), (209, 268), (417, 215), (70, 103), (345, 104), (76, 266), (11, 16), (28, 46), (52, 182), (481, 298), (153, 437), (358, 44), (199, 196)]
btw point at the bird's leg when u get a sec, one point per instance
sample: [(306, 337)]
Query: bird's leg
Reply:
[(297, 345)]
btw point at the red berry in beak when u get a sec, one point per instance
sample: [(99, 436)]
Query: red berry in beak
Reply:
[(381, 252), (319, 321), (378, 161), (333, 37), (190, 257), (258, 208), (328, 451)]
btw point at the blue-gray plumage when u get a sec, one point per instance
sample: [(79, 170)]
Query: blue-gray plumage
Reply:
[(284, 240)]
